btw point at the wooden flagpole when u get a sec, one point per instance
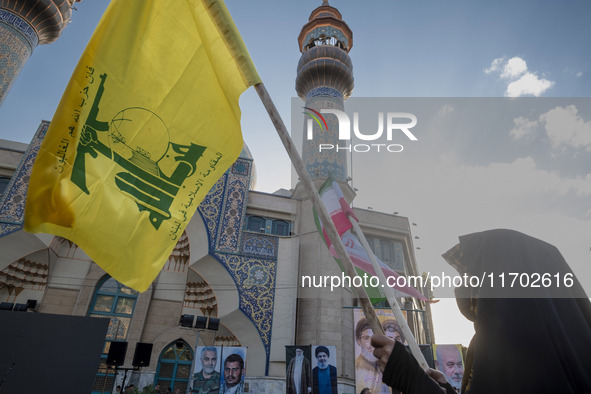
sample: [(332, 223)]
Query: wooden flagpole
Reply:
[(390, 296), (359, 292)]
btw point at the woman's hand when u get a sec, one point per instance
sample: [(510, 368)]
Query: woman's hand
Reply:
[(436, 375), (383, 349)]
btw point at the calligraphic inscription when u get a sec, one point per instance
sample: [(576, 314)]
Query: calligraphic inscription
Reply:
[(153, 168)]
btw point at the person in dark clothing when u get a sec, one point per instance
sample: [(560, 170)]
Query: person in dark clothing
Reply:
[(527, 339), (402, 372), (324, 375)]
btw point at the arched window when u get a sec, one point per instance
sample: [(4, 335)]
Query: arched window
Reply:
[(174, 366), (117, 302)]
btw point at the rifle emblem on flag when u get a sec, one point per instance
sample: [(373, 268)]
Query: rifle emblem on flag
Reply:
[(145, 180)]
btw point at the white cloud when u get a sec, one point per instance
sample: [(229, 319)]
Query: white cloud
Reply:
[(579, 74), (495, 65), (528, 84), (524, 128), (447, 198), (521, 82), (565, 127), (514, 68), (520, 180)]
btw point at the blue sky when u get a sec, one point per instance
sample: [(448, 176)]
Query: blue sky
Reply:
[(428, 48), (400, 49)]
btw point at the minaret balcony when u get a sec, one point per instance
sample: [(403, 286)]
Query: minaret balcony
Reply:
[(325, 65)]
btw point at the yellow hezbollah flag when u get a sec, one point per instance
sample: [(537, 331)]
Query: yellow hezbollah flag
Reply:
[(148, 123)]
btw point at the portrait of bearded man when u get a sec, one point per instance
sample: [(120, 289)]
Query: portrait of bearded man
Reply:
[(298, 374)]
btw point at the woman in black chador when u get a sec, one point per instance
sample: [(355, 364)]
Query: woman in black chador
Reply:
[(534, 337)]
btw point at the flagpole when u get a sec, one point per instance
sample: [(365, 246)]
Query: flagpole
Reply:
[(391, 297), (359, 292)]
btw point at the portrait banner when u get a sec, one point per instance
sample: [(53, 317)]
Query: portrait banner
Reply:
[(449, 360), (324, 370), (207, 371), (367, 371), (298, 369), (233, 370)]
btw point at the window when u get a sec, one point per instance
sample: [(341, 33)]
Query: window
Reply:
[(3, 184), (174, 366), (257, 224), (399, 256), (370, 242), (280, 227), (265, 225), (390, 252), (116, 301), (387, 248)]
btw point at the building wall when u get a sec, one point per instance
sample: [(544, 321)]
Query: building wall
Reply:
[(225, 263), (59, 301), (11, 154), (211, 255)]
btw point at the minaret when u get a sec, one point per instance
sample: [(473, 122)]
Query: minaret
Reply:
[(23, 25), (324, 81)]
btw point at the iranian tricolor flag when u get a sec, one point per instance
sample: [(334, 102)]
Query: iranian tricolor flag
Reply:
[(340, 212)]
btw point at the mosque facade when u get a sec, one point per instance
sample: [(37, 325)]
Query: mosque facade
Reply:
[(239, 262)]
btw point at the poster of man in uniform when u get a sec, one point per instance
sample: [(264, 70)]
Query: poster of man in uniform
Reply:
[(298, 372), (233, 370), (449, 360), (367, 372), (206, 375), (324, 371)]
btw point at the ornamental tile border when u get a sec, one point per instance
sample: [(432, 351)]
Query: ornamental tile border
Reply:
[(259, 245), (254, 271), (327, 31), (231, 217), (241, 167), (324, 91), (256, 296), (21, 26), (234, 207), (209, 209), (12, 203)]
